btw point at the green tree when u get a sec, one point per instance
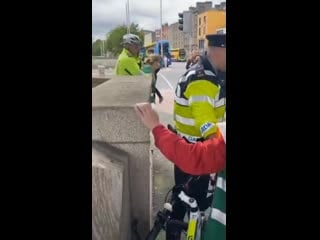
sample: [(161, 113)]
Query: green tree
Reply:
[(114, 37), (97, 47)]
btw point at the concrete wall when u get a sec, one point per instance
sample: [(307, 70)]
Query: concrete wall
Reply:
[(107, 63), (110, 212), (115, 123), (97, 80)]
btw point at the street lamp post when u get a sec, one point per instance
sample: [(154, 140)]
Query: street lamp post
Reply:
[(102, 47), (161, 29), (128, 16)]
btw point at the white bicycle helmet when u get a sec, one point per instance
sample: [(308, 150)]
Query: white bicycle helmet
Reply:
[(131, 39)]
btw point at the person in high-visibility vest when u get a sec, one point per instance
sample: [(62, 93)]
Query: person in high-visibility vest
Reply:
[(129, 61), (198, 106), (196, 159)]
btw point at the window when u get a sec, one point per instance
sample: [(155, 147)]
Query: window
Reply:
[(201, 44), (199, 31), (199, 20), (204, 30), (204, 19)]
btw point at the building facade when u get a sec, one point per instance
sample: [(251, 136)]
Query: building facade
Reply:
[(149, 37), (175, 36), (210, 22), (165, 32), (205, 20)]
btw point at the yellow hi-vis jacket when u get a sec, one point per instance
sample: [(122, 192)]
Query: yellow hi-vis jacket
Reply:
[(128, 64), (198, 106)]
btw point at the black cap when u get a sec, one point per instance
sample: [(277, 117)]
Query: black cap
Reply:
[(217, 40)]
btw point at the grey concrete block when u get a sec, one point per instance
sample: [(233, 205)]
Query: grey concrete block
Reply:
[(115, 122), (111, 218), (103, 61), (121, 91), (140, 174), (113, 116), (98, 80), (118, 124)]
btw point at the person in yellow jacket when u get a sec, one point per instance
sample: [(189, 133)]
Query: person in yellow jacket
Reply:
[(198, 106), (129, 61)]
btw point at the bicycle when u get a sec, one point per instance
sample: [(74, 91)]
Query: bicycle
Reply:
[(163, 220)]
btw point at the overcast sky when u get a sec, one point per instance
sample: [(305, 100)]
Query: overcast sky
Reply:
[(107, 14)]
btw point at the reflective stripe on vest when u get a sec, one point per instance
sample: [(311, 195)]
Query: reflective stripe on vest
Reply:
[(185, 121), (218, 215)]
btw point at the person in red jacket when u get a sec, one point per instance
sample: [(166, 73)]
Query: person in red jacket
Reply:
[(196, 159)]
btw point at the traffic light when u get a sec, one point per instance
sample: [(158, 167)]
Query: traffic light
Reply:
[(185, 21), (180, 21)]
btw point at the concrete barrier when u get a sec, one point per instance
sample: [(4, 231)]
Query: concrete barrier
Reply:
[(98, 80), (110, 212), (107, 63), (101, 70), (115, 122)]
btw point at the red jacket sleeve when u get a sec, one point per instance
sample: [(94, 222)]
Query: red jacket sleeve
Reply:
[(197, 159)]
